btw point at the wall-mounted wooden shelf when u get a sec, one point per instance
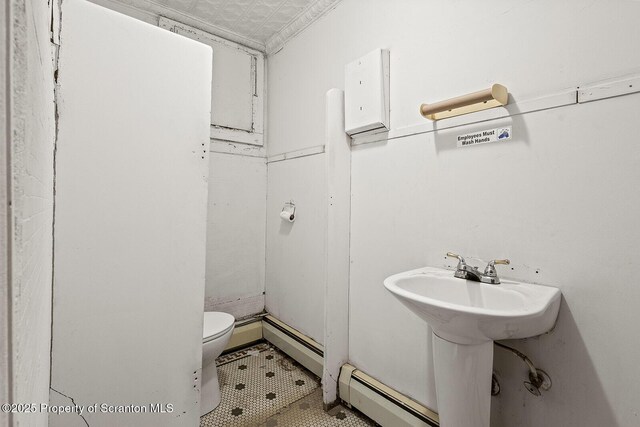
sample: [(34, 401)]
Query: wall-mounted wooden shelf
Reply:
[(496, 96)]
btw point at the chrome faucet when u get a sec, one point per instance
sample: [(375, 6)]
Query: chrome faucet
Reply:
[(464, 271)]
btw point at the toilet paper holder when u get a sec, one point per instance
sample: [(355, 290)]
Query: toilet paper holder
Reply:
[(288, 212)]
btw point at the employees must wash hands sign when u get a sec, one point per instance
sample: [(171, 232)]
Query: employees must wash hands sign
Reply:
[(485, 136)]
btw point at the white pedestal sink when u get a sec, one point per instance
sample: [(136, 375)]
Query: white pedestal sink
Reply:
[(466, 317)]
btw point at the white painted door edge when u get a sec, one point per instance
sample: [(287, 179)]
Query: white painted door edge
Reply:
[(5, 214)]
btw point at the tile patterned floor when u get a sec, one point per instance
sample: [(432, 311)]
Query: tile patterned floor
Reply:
[(308, 412), (261, 386)]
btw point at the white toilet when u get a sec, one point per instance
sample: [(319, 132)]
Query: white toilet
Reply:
[(217, 331)]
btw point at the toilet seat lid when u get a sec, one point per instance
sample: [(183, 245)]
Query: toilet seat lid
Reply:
[(216, 324)]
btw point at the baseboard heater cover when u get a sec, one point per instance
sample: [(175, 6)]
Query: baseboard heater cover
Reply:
[(245, 333), (382, 404), (301, 348)]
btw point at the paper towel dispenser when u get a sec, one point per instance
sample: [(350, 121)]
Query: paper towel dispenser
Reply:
[(367, 94)]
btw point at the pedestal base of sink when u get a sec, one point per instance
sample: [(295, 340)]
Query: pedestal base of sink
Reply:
[(463, 382)]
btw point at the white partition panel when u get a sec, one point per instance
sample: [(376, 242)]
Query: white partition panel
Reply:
[(130, 221)]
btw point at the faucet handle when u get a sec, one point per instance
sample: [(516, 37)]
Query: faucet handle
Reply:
[(490, 270), (461, 261)]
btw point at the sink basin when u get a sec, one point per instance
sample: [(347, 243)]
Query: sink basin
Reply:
[(468, 312), (466, 317)]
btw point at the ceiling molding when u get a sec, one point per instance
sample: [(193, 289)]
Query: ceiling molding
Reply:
[(302, 21), (142, 9)]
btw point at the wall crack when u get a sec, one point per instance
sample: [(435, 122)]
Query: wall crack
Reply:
[(74, 404)]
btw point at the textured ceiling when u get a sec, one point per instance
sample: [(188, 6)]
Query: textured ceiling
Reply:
[(257, 20)]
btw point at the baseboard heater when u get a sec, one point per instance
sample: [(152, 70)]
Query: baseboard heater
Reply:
[(379, 402), (245, 333), (299, 347)]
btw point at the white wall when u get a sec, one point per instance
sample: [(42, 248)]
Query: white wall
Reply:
[(295, 280), (442, 49), (236, 234), (557, 200), (32, 139), (130, 222)]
